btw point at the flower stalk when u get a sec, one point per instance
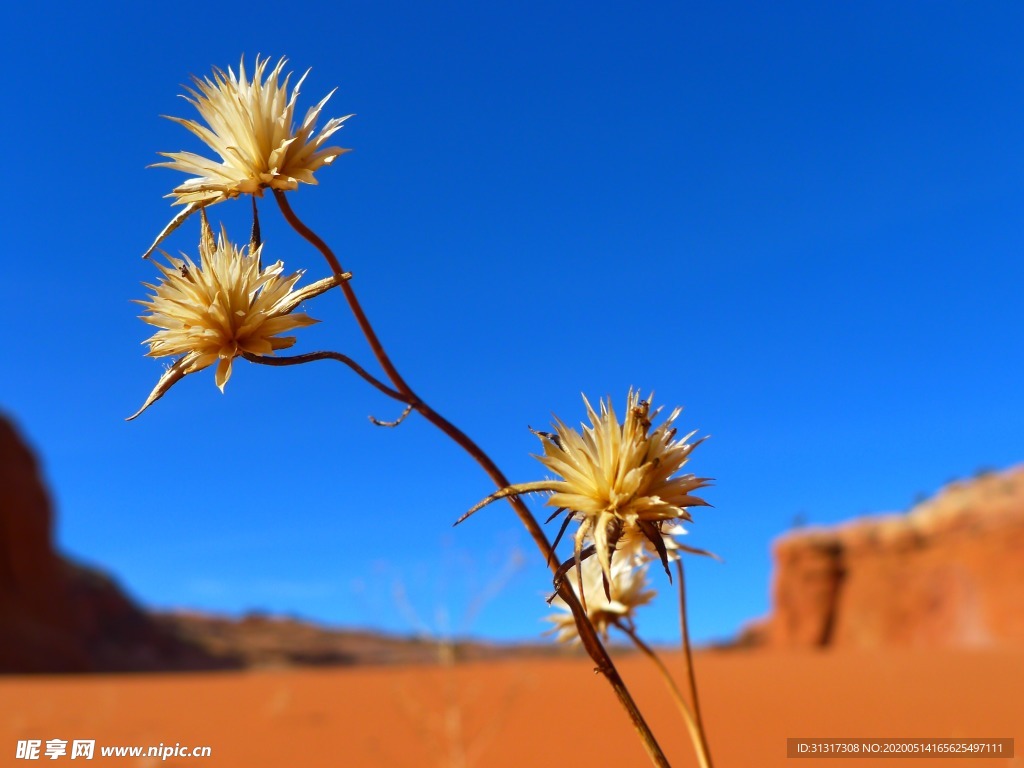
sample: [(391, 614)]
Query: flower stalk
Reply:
[(703, 752), (619, 481), (226, 306), (696, 732), (588, 636)]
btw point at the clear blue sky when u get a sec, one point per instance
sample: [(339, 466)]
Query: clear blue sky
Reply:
[(801, 221)]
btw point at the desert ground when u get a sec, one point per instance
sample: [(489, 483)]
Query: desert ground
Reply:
[(533, 712)]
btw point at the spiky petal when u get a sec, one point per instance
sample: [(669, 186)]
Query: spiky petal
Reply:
[(626, 591), (221, 308), (618, 479), (250, 125)]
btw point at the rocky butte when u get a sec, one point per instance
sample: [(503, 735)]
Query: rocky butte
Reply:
[(59, 616), (948, 573)]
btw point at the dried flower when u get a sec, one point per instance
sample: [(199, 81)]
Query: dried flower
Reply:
[(222, 308), (626, 590), (633, 544), (250, 125), (616, 479)]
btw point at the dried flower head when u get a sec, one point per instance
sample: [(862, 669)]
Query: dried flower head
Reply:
[(626, 590), (616, 479), (633, 544), (225, 306), (250, 125)]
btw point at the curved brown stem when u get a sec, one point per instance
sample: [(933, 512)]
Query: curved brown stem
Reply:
[(691, 677), (309, 357), (696, 736), (350, 296), (588, 636)]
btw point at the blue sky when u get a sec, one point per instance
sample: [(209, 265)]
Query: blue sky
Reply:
[(800, 221)]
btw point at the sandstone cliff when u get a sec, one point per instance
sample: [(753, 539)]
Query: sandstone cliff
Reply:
[(36, 625), (949, 573), (59, 616)]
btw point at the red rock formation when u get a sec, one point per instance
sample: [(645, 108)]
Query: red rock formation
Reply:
[(58, 616), (950, 573), (35, 613)]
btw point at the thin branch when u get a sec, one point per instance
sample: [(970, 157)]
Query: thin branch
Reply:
[(564, 568), (306, 232), (561, 532), (588, 635), (396, 422), (685, 632), (309, 357), (350, 296), (175, 222), (696, 733), (512, 490)]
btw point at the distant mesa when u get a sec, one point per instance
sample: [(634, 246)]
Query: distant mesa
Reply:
[(59, 616), (949, 573)]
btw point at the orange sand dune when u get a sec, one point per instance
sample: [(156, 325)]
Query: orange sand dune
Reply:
[(536, 713)]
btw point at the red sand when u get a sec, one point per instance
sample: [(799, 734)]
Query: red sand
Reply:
[(534, 713)]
